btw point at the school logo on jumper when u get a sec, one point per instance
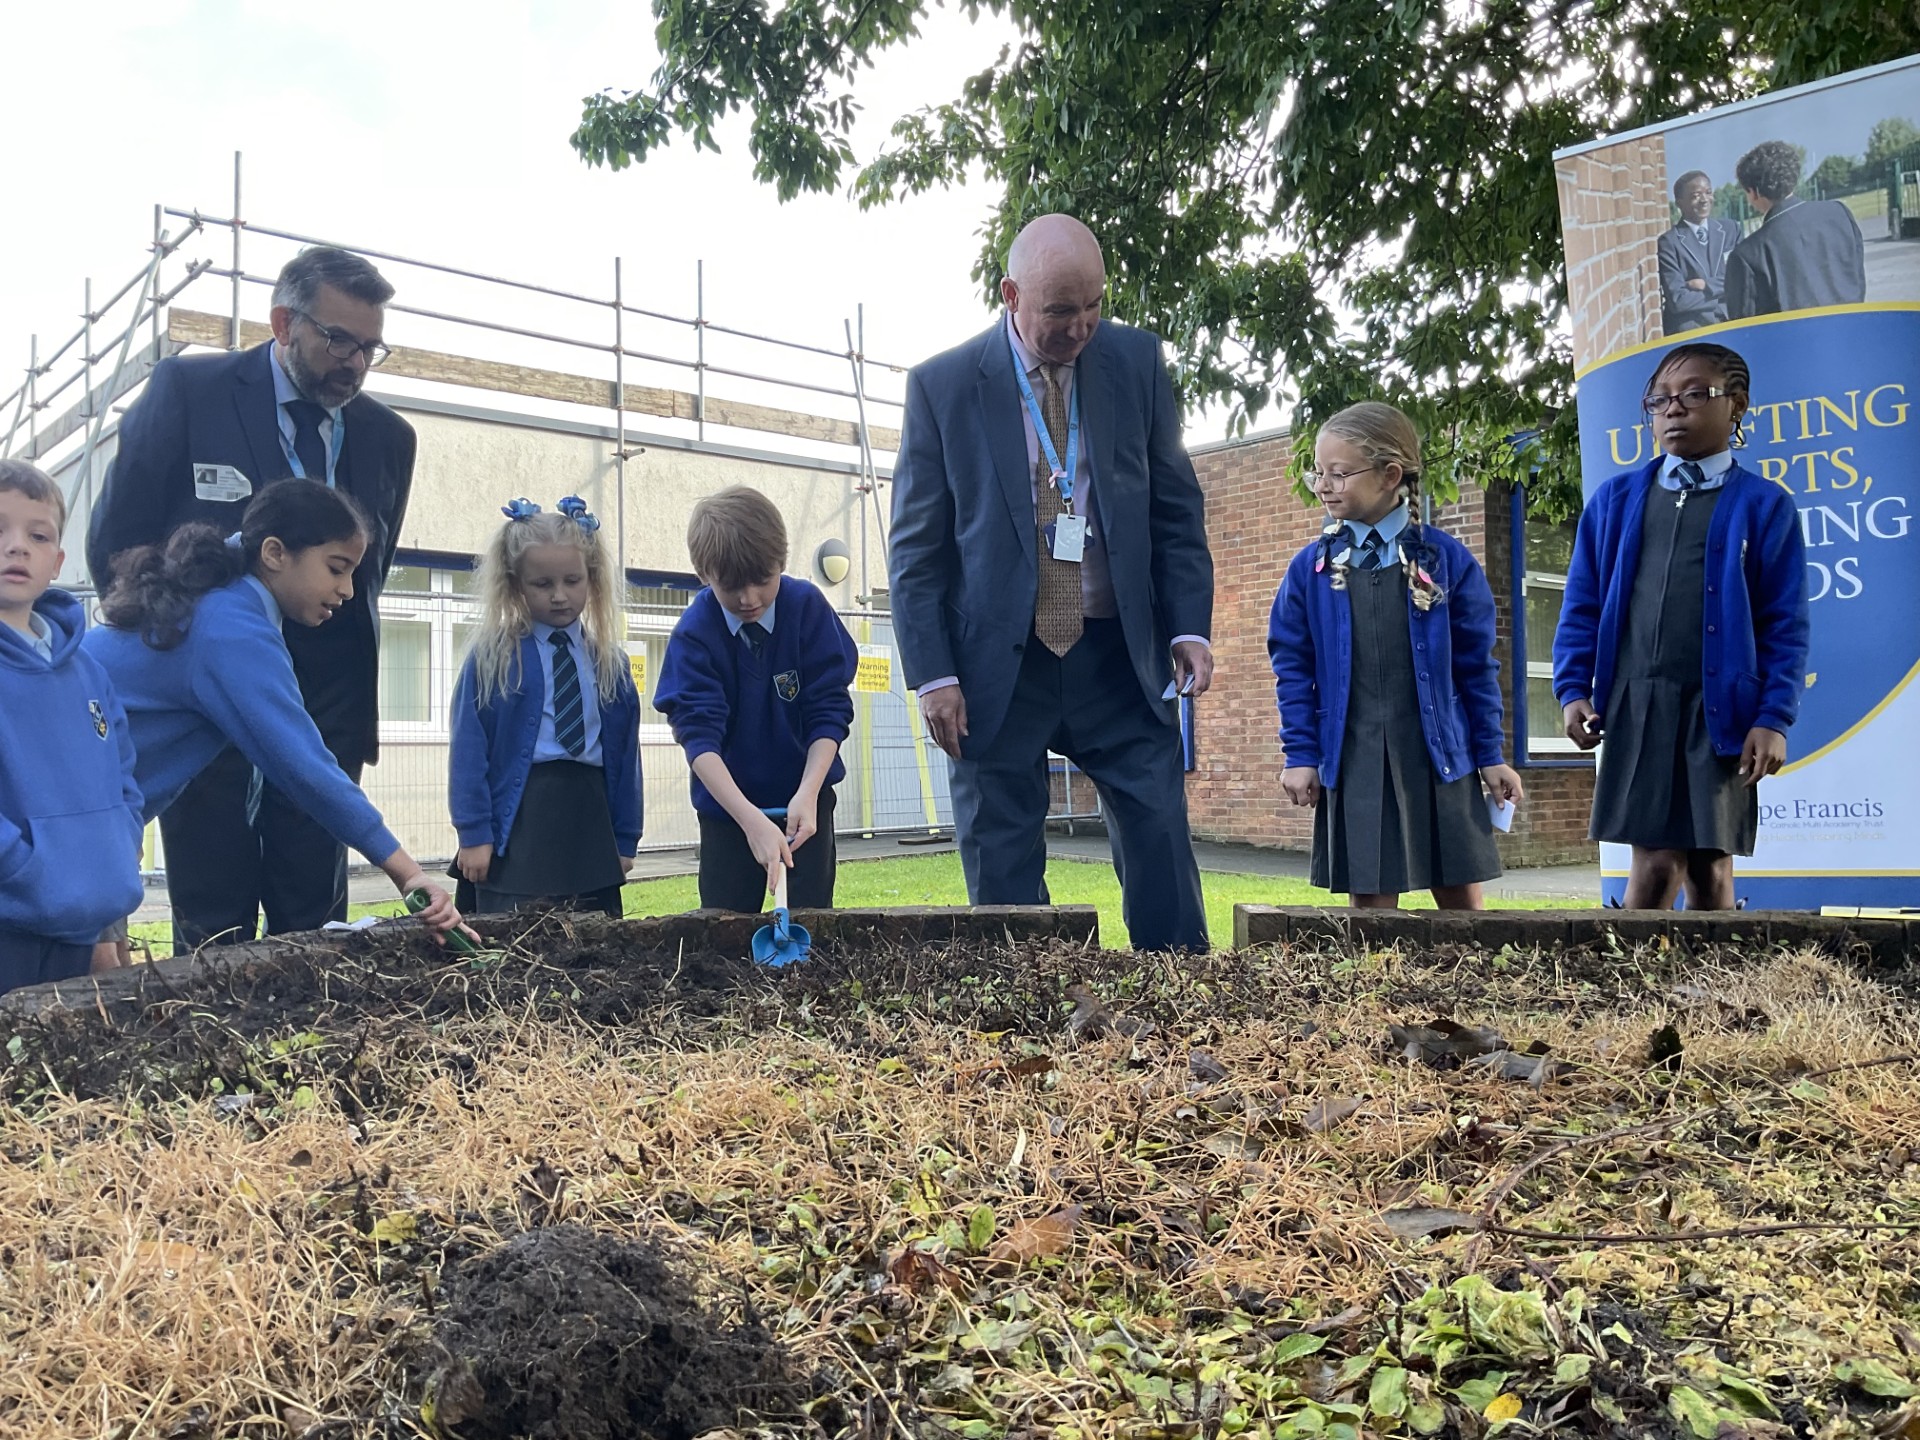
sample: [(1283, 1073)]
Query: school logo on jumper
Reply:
[(99, 718), (787, 683)]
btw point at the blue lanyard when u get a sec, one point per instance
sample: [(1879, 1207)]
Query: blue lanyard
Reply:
[(333, 449), (1062, 474)]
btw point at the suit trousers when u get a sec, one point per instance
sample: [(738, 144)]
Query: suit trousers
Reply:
[(236, 845), (1087, 706)]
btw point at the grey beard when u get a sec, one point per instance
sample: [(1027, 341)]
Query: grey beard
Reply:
[(309, 383)]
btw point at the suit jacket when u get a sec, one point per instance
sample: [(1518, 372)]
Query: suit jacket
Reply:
[(219, 409), (963, 551), (1683, 258), (1805, 255)]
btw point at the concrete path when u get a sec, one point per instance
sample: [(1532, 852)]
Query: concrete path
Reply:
[(1576, 884)]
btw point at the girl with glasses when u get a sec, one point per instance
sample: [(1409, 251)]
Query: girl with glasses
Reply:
[(1683, 638), (1382, 641)]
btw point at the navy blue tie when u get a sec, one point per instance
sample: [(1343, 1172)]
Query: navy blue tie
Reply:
[(1690, 476), (1370, 551), (757, 637), (569, 718), (308, 448)]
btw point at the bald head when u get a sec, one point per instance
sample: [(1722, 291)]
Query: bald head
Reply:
[(1054, 286)]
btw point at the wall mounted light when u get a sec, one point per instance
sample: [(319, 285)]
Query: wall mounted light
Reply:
[(832, 562)]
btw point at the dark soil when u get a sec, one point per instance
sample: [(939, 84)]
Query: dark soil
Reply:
[(571, 1334)]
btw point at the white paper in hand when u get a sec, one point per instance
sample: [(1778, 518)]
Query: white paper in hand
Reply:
[(1501, 813)]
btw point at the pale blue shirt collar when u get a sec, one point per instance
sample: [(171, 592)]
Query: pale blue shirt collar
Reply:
[(734, 622), (1389, 525), (267, 602), (40, 636), (1714, 467), (544, 634)]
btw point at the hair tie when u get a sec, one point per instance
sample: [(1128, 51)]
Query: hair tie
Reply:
[(575, 509), (237, 541), (520, 509)]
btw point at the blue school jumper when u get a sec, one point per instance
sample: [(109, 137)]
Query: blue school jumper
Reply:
[(759, 715), (231, 682), (1457, 678), (1755, 645), (70, 810), (494, 749)]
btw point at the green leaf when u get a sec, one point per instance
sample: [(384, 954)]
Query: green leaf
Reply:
[(1874, 1378), (1387, 1395), (1572, 1370), (1476, 1395), (980, 1229), (1695, 1411), (1294, 1347)]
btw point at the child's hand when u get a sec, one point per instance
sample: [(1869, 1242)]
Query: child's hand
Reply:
[(803, 817), (626, 866), (769, 845), (1583, 724), (440, 915), (1503, 783), (1763, 755), (474, 861), (1302, 784)]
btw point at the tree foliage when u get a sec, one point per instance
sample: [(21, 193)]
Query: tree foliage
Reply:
[(1314, 201)]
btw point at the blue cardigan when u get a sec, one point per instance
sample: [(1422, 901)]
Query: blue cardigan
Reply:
[(492, 753), (1755, 645), (1310, 642), (231, 682), (760, 717), (70, 816)]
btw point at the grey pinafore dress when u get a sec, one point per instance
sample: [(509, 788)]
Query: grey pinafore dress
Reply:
[(1660, 784), (1390, 826)]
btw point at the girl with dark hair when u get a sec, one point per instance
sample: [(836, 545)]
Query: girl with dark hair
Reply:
[(194, 647), (1382, 641), (1683, 638)]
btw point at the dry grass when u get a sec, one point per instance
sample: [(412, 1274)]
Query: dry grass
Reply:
[(193, 1265)]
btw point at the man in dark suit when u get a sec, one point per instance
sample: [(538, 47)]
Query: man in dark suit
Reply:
[(208, 433), (1693, 259), (1050, 579), (1807, 254)]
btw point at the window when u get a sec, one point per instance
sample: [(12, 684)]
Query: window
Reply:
[(1540, 582)]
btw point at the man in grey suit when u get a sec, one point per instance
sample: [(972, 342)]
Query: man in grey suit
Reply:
[(1052, 584), (1806, 255), (1693, 259)]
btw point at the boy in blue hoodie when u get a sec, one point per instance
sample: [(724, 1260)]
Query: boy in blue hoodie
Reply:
[(755, 684), (69, 809)]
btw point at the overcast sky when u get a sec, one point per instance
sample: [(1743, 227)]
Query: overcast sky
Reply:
[(439, 129)]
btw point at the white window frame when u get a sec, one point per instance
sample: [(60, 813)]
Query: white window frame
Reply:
[(1556, 745)]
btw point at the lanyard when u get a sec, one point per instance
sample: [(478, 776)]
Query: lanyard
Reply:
[(333, 450), (1063, 475)]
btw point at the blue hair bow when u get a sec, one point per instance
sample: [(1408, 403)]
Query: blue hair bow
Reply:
[(575, 509), (520, 509)]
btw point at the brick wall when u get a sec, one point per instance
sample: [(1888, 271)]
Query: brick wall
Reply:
[(1613, 209), (1256, 525)]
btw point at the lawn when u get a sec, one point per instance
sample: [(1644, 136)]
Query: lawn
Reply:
[(936, 880)]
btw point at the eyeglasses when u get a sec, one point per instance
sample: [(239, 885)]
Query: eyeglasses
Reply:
[(343, 346), (1687, 400), (1317, 478)]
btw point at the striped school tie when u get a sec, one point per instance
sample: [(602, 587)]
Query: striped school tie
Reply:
[(1370, 552), (569, 718), (1691, 478)]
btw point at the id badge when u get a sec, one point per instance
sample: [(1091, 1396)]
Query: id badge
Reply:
[(220, 482), (1067, 538)]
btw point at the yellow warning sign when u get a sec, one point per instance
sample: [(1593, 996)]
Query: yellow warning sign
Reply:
[(637, 663), (875, 672)]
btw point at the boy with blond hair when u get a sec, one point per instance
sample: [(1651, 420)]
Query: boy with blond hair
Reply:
[(69, 809), (755, 683)]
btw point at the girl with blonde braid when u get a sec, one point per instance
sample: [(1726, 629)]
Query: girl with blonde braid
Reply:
[(1382, 639)]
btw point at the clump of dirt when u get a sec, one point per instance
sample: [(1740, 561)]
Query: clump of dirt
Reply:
[(575, 1334)]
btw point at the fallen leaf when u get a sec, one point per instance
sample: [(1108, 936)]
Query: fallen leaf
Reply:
[(166, 1254), (1204, 1068), (1037, 1239), (301, 1157), (1092, 1017), (541, 1191), (1443, 1044), (1874, 1378), (1032, 1065), (1663, 1049), (1231, 1145), (1536, 1070), (915, 1270), (1325, 1114), (1502, 1407), (397, 1228), (1417, 1221)]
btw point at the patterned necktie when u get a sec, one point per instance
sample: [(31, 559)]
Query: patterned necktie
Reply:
[(1057, 614), (569, 718), (308, 448), (1691, 478), (757, 637), (1370, 551)]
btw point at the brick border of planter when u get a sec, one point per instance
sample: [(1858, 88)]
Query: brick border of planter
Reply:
[(1889, 941), (718, 930)]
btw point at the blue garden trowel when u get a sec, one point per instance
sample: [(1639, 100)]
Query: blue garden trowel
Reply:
[(782, 942)]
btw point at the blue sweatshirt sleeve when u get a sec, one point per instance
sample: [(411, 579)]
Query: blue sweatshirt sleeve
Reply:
[(827, 701), (130, 795), (1576, 639), (1290, 649), (1476, 670), (244, 683), (469, 781), (691, 695), (1777, 581), (620, 755)]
